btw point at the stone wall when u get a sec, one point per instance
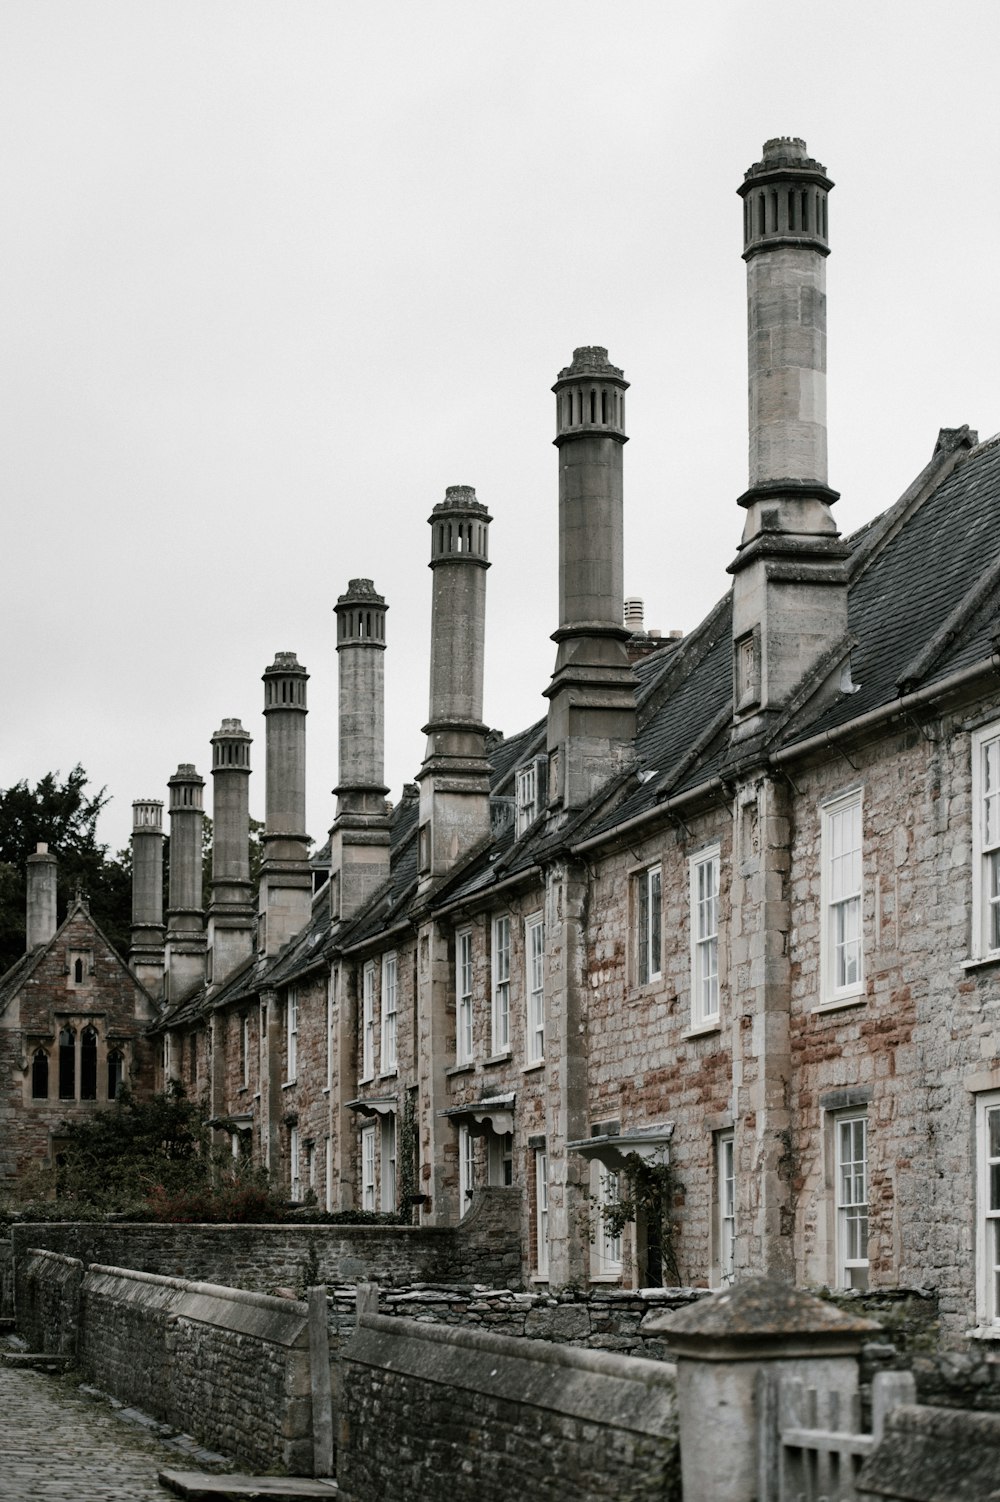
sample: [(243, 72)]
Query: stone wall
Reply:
[(49, 1309), (231, 1368), (6, 1279), (431, 1412), (598, 1319), (484, 1248)]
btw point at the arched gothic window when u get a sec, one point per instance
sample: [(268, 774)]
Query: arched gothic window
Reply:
[(40, 1075), (88, 1064), (67, 1064)]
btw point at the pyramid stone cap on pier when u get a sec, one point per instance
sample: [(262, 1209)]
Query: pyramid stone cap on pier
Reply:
[(762, 1317)]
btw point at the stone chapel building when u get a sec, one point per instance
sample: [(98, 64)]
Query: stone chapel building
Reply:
[(732, 903)]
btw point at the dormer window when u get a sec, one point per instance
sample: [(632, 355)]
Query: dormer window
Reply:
[(527, 797), (530, 794)]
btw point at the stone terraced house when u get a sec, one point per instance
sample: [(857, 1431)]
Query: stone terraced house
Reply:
[(733, 904)]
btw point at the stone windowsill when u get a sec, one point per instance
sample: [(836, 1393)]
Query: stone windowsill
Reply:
[(369, 1079), (460, 1069), (389, 1074), (530, 1068), (980, 963), (287, 1085), (840, 1004), (984, 1332), (605, 1278), (702, 1029), (326, 1090), (497, 1058)]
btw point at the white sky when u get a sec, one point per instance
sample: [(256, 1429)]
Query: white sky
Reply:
[(273, 275)]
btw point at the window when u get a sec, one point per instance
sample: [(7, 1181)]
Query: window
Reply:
[(986, 843), (310, 1174), (841, 882), (368, 1168), (368, 1021), (541, 1212), (291, 1034), (526, 799), (466, 1168), (988, 1217), (261, 1035), (852, 1201), (116, 1072), (388, 1163), (40, 1075), (88, 1064), (648, 925), (534, 988), (605, 1188), (705, 937), (463, 997), (67, 1064), (725, 1180), (501, 984), (330, 994), (501, 1158), (388, 1013), (295, 1183)]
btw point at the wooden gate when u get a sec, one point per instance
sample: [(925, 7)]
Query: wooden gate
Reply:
[(811, 1444)]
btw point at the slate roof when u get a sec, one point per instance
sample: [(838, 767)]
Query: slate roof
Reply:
[(923, 600)]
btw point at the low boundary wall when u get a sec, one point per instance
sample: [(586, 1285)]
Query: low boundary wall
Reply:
[(429, 1411), (484, 1248), (231, 1367)]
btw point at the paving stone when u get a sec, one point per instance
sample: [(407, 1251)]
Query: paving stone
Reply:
[(241, 1488), (59, 1446)]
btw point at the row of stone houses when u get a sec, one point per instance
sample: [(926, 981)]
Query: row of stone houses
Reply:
[(731, 906)]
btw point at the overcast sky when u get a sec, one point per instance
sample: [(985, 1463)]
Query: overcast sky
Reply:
[(276, 274)]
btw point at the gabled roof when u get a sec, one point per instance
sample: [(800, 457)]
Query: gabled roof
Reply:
[(22, 969)]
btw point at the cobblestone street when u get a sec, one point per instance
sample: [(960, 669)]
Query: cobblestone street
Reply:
[(57, 1445)]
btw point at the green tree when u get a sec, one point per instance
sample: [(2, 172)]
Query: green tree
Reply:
[(63, 815)]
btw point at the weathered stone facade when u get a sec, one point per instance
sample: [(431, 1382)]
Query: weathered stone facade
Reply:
[(718, 937)]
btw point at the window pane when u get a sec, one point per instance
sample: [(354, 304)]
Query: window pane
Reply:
[(993, 1117)]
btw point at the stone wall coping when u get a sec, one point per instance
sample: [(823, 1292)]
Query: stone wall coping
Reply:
[(280, 1322), (599, 1387), (548, 1353), (47, 1256)]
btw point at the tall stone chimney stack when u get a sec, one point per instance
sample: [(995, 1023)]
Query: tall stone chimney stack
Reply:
[(41, 924), (230, 913), (454, 778), (359, 839), (285, 879), (591, 721), (185, 946), (146, 951), (790, 591)]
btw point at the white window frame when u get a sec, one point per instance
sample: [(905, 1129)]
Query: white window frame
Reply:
[(988, 1211), (388, 1151), (851, 1189), (526, 798), (294, 1182), (291, 1034), (466, 1168), (842, 899), (464, 1041), (368, 1201), (649, 924), (725, 1206), (705, 870), (390, 979), (541, 1212), (534, 988), (501, 983), (500, 1163), (331, 986), (986, 843), (368, 1021), (606, 1252)]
